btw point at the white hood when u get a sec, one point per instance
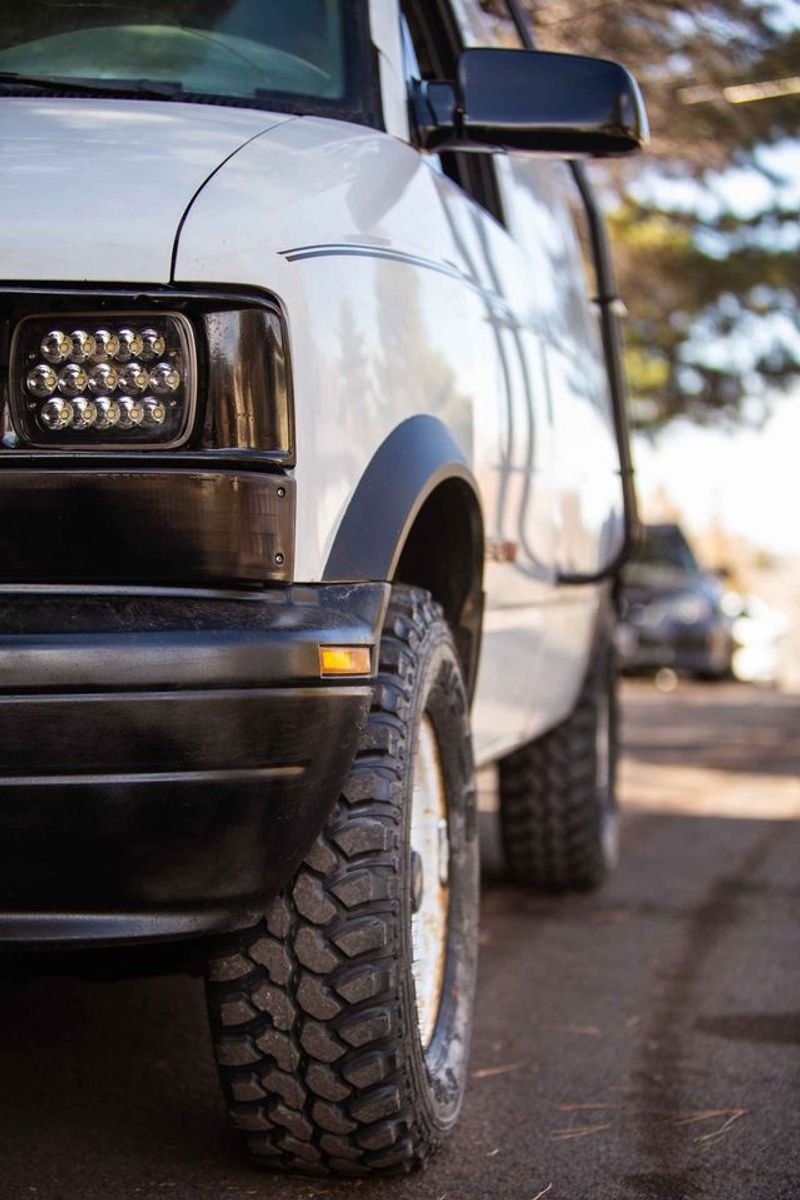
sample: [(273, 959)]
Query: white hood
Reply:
[(95, 189)]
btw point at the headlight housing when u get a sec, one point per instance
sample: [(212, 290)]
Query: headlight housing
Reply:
[(103, 381), (197, 374)]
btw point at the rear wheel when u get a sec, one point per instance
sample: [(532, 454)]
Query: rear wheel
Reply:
[(342, 1019), (558, 811)]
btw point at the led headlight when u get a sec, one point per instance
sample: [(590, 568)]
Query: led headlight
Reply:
[(103, 383)]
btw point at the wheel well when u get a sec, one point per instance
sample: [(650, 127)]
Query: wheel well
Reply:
[(444, 554)]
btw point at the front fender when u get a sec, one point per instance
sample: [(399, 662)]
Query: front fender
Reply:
[(416, 457)]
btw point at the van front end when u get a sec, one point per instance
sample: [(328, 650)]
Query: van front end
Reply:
[(176, 716)]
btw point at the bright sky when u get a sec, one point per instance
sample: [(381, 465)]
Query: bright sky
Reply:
[(743, 190), (749, 479)]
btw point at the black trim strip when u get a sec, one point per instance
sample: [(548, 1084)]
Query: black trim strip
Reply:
[(357, 250)]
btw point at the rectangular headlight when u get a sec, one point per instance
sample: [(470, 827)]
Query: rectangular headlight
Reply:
[(102, 380)]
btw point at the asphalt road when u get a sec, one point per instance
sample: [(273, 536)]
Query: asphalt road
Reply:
[(643, 1043)]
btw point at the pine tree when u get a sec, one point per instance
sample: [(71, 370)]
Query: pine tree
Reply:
[(713, 294)]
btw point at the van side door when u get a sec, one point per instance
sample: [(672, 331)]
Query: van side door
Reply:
[(534, 646)]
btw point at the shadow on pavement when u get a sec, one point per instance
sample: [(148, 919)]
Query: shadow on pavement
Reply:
[(724, 727)]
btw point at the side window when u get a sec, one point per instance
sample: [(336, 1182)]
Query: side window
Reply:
[(539, 201), (434, 43), (547, 218)]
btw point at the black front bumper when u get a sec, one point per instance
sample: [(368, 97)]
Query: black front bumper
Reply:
[(166, 761)]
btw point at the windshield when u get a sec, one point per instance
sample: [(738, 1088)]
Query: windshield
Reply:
[(665, 546), (241, 50)]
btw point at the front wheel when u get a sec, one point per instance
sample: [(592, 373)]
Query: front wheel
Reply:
[(342, 1019), (558, 811)]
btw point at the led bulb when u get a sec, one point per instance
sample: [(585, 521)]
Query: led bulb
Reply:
[(132, 379), (41, 381), (103, 379), (155, 411), (165, 379), (106, 345), (84, 413), (56, 346), (107, 412), (153, 345), (72, 380), (56, 413), (131, 413), (130, 345), (83, 346)]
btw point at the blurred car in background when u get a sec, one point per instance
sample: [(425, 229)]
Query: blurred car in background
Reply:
[(672, 612)]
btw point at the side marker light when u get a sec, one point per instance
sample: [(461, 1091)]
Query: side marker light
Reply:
[(344, 660)]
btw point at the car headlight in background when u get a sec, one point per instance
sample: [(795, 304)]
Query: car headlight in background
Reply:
[(103, 383), (689, 608)]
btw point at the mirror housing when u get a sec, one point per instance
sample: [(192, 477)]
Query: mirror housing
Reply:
[(533, 102)]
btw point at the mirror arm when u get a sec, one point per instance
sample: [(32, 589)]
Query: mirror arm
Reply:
[(434, 111)]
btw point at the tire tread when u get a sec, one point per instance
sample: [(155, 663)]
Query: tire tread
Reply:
[(305, 1007), (551, 819)]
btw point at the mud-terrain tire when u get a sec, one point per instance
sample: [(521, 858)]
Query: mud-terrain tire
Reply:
[(314, 1009), (558, 811)]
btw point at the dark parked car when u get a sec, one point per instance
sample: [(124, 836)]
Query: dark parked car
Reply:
[(672, 614)]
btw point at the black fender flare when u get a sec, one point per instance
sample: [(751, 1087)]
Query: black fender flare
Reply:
[(416, 457)]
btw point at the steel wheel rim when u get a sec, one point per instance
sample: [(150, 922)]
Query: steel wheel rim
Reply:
[(430, 856)]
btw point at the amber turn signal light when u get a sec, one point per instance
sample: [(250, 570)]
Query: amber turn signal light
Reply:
[(344, 660)]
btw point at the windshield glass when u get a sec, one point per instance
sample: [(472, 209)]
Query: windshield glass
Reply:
[(665, 546), (242, 50)]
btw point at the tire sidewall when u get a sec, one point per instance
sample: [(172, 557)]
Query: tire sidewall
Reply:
[(438, 1075)]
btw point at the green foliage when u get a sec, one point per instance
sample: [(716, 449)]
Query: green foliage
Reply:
[(714, 302), (714, 310)]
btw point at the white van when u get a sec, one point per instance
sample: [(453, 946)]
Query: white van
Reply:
[(314, 483)]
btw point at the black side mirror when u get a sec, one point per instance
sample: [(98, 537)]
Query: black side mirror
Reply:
[(532, 101)]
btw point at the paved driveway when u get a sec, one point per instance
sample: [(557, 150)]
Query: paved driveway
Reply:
[(642, 1044)]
